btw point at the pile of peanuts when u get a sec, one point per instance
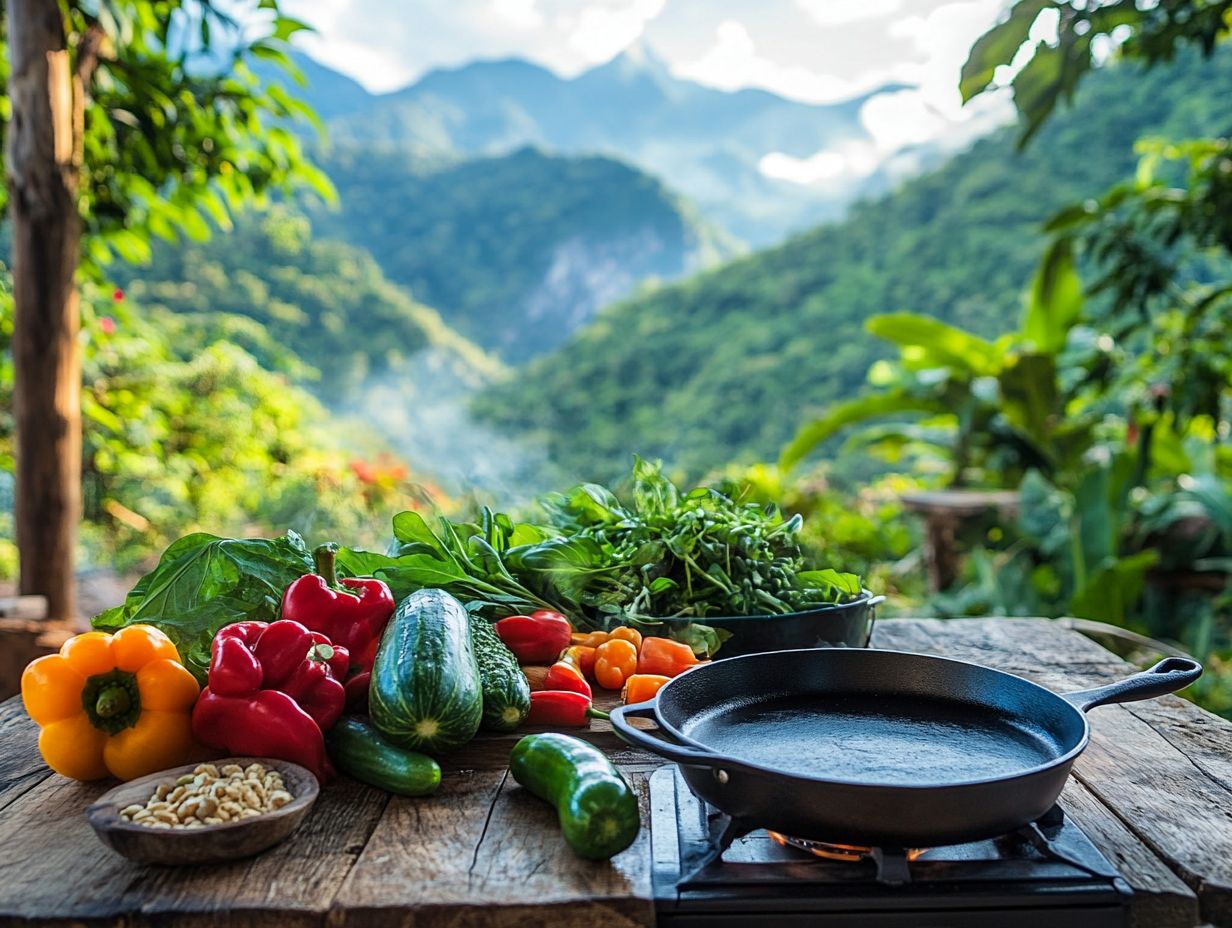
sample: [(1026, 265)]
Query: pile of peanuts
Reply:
[(210, 796)]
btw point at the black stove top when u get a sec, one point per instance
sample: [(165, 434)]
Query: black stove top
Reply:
[(709, 870)]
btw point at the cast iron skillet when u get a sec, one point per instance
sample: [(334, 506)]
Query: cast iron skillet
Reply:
[(877, 747)]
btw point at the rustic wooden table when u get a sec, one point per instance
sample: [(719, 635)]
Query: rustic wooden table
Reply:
[(1154, 791)]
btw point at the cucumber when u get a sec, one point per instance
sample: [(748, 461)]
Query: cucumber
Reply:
[(506, 693), (425, 692), (361, 752), (597, 810)]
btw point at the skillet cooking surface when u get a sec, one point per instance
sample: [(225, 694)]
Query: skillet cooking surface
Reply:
[(877, 740)]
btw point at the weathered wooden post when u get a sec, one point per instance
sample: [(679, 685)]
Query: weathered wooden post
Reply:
[(43, 158)]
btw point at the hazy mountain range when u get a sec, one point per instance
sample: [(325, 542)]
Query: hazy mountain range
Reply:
[(704, 143)]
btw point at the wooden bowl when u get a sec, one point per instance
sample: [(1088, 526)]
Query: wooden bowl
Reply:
[(208, 843)]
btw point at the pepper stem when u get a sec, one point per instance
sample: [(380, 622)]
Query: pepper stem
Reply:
[(321, 652), (593, 713), (112, 701), (325, 558)]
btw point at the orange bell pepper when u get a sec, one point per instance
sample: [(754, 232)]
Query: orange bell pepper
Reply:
[(582, 658), (615, 662), (665, 656), (643, 686), (625, 633), (112, 704)]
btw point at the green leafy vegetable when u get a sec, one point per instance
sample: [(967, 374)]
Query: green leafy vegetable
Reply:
[(203, 582), (664, 554)]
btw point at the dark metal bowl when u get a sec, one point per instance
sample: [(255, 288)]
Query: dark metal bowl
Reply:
[(848, 625)]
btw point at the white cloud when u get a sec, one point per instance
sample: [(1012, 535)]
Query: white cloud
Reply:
[(734, 61), (829, 167), (930, 111), (521, 14), (841, 12), (602, 30)]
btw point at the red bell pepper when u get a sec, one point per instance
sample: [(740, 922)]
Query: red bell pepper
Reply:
[(536, 638), (274, 688), (352, 612), (558, 708), (564, 675)]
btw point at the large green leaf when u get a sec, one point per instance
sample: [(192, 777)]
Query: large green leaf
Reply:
[(841, 415), (928, 342), (1055, 301), (998, 45), (1030, 396), (202, 583), (569, 565)]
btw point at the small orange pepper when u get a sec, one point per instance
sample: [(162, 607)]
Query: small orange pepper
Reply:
[(643, 686), (665, 656), (583, 658), (590, 639), (615, 662), (625, 633)]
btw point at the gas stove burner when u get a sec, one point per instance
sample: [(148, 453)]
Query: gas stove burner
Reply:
[(849, 853), (711, 871)]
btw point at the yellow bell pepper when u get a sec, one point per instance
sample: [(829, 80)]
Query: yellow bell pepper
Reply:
[(112, 704)]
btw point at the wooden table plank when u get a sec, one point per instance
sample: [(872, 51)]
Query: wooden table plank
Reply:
[(1162, 899), (54, 870), (21, 765)]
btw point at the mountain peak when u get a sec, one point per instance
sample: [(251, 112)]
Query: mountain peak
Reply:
[(636, 62)]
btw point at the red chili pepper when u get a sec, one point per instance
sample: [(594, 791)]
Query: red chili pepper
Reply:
[(273, 689), (566, 676), (535, 639), (563, 709), (352, 612)]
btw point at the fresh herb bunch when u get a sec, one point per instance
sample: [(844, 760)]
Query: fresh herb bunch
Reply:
[(669, 554)]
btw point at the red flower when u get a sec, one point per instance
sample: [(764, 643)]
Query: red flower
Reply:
[(107, 324), (117, 295)]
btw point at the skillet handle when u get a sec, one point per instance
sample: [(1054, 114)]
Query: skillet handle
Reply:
[(1168, 676), (673, 751)]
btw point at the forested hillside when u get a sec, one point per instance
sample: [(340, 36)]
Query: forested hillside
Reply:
[(326, 303), (729, 363), (517, 251)]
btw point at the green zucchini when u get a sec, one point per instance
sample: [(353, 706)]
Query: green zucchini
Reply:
[(597, 810), (425, 692), (506, 693), (361, 752)]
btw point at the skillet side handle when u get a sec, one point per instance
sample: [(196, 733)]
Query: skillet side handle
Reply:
[(1168, 676), (647, 741)]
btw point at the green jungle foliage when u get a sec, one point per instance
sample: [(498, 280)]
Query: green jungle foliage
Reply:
[(323, 311), (185, 430), (517, 251), (729, 363)]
